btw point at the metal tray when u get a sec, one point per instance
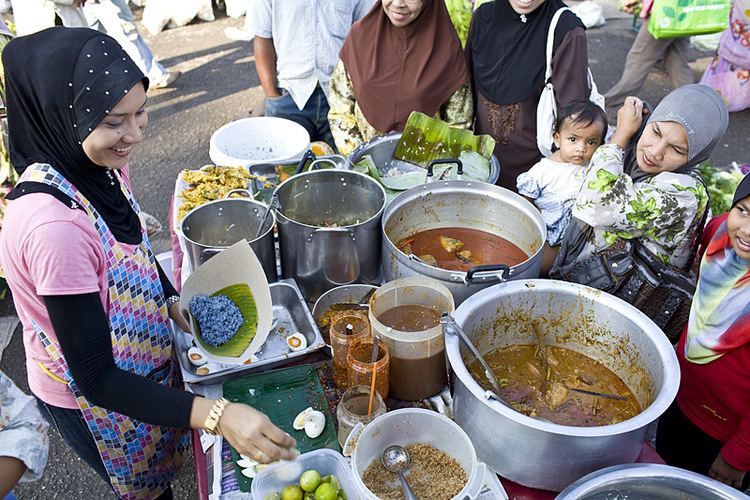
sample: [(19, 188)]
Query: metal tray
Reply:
[(291, 315)]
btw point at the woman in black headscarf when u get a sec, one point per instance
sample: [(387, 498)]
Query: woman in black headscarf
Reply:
[(94, 303), (506, 56)]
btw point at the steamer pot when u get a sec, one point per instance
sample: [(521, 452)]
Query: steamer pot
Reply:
[(538, 453)]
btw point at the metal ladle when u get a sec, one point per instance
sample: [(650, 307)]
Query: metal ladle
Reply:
[(396, 459)]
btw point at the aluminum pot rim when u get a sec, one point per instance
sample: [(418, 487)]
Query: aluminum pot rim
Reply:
[(257, 203), (451, 187), (374, 217), (605, 476), (664, 395)]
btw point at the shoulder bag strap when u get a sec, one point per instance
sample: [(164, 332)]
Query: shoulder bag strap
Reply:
[(551, 42)]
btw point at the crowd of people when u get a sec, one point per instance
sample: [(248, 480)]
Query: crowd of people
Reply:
[(95, 304)]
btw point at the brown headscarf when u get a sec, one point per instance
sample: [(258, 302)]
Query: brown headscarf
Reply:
[(395, 71)]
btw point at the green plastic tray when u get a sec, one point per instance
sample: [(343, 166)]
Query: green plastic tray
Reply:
[(282, 394)]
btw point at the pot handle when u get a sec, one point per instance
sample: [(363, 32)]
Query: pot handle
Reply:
[(504, 272), (309, 155), (246, 192), (327, 160), (331, 230), (444, 161)]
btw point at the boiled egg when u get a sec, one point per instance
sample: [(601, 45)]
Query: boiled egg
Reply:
[(315, 422), (208, 369), (299, 420), (296, 342), (196, 357)]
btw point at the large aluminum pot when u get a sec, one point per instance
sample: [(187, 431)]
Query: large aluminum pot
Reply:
[(217, 225), (652, 481), (475, 205), (535, 452), (381, 151), (317, 254)]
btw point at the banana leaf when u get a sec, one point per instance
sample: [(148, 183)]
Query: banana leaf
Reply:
[(242, 297), (425, 139)]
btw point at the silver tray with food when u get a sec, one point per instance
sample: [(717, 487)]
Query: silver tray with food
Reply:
[(293, 334)]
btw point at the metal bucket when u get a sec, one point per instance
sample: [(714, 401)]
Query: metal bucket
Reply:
[(215, 226), (538, 453), (329, 229), (475, 205)]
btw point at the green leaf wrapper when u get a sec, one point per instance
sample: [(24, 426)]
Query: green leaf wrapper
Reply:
[(242, 297)]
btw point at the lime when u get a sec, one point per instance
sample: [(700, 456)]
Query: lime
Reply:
[(326, 491), (342, 495), (291, 492), (309, 480), (330, 478), (273, 496)]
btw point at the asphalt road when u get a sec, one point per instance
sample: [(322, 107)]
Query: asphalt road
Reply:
[(218, 85)]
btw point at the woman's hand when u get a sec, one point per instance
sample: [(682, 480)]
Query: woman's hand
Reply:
[(174, 313), (722, 471), (629, 119), (253, 434)]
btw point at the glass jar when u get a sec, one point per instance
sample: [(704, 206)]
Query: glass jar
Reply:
[(352, 410), (346, 327), (360, 368)]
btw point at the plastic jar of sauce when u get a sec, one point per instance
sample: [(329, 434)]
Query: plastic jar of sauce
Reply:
[(360, 368), (346, 327)]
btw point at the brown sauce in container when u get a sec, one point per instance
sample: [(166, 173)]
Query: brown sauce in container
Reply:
[(410, 318), (518, 370), (485, 248)]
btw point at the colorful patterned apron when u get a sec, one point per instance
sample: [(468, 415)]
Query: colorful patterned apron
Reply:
[(141, 459)]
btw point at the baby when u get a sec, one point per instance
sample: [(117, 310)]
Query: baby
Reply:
[(553, 183)]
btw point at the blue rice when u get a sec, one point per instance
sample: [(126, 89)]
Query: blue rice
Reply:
[(218, 317)]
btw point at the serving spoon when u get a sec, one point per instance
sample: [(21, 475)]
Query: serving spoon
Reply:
[(396, 459)]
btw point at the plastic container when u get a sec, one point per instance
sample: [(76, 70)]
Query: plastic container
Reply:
[(359, 367), (352, 410), (414, 425), (346, 327), (261, 139), (418, 364), (325, 461)]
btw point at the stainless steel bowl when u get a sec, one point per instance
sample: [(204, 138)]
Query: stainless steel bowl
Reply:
[(535, 452), (648, 481)]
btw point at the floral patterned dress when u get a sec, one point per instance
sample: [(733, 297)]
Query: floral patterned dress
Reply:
[(663, 210), (349, 126), (729, 72)]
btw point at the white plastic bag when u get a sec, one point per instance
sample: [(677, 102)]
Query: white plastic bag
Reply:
[(546, 110), (590, 13)]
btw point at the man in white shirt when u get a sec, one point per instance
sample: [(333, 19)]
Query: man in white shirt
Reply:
[(296, 47)]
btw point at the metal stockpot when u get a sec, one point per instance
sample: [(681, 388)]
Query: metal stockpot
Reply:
[(318, 257), (538, 453), (217, 225), (652, 481), (475, 205)]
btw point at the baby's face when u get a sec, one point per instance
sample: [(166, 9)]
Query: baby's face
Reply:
[(578, 141)]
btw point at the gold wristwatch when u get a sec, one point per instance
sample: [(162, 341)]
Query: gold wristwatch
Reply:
[(214, 415)]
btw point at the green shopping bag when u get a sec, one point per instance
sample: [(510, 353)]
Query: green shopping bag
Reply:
[(680, 18)]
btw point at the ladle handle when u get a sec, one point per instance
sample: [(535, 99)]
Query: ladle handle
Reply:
[(272, 206), (451, 327), (504, 271), (444, 161), (405, 485)]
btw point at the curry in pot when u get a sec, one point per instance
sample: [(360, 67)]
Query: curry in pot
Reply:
[(563, 394), (460, 248)]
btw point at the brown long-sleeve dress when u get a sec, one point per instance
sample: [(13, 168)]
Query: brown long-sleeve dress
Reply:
[(513, 126)]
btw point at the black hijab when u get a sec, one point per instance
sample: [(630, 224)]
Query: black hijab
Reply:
[(60, 84), (508, 55)]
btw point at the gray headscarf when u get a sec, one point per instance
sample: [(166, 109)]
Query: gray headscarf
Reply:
[(703, 114)]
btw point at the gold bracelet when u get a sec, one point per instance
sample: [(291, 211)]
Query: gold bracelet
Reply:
[(214, 415)]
